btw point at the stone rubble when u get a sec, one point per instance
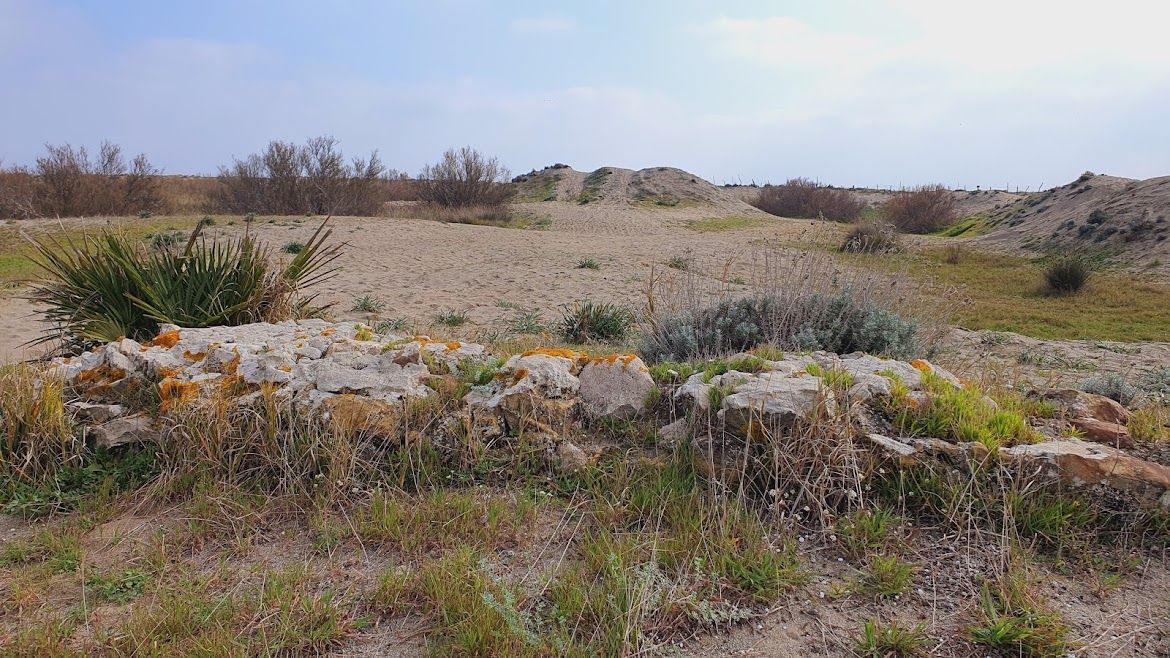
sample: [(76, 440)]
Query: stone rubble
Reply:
[(363, 381)]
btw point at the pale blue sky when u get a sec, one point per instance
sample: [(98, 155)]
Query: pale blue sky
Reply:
[(895, 92)]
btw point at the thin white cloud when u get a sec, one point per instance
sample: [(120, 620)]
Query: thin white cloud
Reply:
[(542, 25)]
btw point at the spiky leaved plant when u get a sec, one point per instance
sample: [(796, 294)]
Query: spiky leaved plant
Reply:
[(109, 286)]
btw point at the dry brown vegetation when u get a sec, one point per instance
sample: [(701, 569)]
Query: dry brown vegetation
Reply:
[(68, 182), (805, 199), (922, 209), (463, 178)]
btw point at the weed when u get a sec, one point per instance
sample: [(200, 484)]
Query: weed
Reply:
[(882, 641), (886, 576), (1013, 622), (864, 530), (529, 323), (452, 318), (293, 247), (960, 414), (119, 587), (679, 263), (1111, 385), (368, 304), (588, 264)]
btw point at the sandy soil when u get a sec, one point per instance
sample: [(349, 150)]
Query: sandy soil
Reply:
[(420, 268)]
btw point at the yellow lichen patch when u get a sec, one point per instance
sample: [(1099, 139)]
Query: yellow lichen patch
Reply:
[(194, 356), (922, 365), (453, 345), (173, 393), (328, 332), (166, 339)]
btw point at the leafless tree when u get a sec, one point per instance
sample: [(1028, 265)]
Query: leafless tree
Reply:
[(288, 179), (465, 177)]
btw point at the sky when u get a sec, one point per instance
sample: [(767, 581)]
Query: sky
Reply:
[(890, 93)]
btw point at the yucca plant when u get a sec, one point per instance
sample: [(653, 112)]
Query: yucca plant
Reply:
[(110, 286)]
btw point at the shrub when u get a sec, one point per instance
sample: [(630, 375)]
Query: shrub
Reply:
[(1112, 386), (291, 179), (67, 182), (588, 320), (294, 247), (922, 209), (462, 178), (806, 199), (109, 286), (871, 238), (842, 322), (1067, 274)]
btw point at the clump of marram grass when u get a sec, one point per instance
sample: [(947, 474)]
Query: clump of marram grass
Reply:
[(1067, 274), (588, 320), (293, 247), (368, 304)]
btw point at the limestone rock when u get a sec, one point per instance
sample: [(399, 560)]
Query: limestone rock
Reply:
[(125, 430), (95, 413), (776, 401), (678, 431), (1080, 463), (616, 387), (570, 458)]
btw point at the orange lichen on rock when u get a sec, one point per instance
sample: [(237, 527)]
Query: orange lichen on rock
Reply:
[(230, 367), (328, 332), (561, 352), (166, 339), (518, 375), (453, 345), (102, 374), (173, 393), (194, 356), (626, 359), (922, 365)]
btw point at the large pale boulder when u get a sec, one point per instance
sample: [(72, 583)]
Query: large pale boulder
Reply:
[(774, 401), (535, 391), (615, 387)]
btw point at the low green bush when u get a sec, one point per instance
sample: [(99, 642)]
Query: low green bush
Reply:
[(841, 323)]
